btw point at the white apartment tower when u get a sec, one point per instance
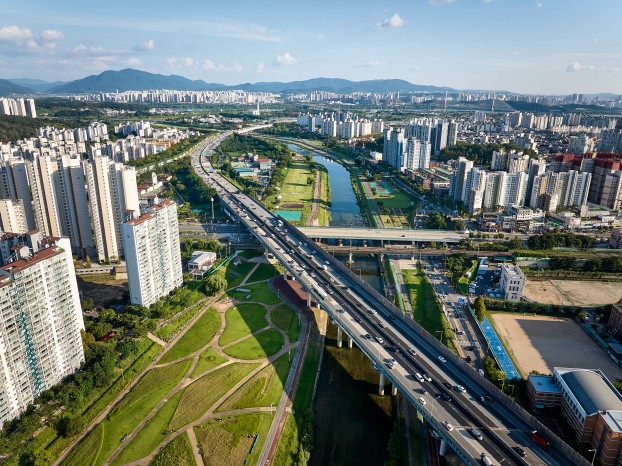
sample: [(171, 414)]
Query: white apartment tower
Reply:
[(40, 340), (152, 253), (113, 198), (417, 154)]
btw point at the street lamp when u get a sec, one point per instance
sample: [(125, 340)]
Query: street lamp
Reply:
[(212, 201), (502, 383), (593, 457), (359, 271), (441, 332), (510, 385)]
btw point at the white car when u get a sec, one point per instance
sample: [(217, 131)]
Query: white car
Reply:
[(442, 359), (426, 377), (422, 400), (460, 388), (448, 426)]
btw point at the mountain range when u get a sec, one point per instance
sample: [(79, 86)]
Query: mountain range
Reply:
[(133, 80)]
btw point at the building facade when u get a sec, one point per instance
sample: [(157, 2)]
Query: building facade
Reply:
[(152, 253), (512, 282)]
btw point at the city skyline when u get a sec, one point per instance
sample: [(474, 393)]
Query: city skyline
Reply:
[(544, 47)]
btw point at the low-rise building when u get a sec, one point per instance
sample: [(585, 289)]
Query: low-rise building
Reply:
[(615, 318), (201, 262), (512, 282)]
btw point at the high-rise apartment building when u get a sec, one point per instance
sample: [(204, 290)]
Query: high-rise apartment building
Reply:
[(113, 198), (393, 150), (459, 189), (40, 341), (417, 154), (152, 253)]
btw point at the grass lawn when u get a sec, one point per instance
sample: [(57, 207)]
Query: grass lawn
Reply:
[(168, 331), (263, 272), (197, 336), (286, 319), (263, 389), (259, 292), (151, 382), (229, 441), (178, 452), (262, 345), (243, 320), (249, 254), (88, 450), (323, 215), (235, 274), (207, 359), (199, 396), (396, 199), (151, 434), (426, 308), (125, 421), (288, 444)]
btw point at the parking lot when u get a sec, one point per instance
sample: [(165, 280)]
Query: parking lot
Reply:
[(488, 284)]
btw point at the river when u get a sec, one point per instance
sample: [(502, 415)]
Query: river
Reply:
[(344, 211)]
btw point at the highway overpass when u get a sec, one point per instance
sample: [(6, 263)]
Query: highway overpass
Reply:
[(383, 234), (400, 348)]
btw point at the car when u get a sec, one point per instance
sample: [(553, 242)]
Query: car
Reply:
[(448, 426), (380, 340), (447, 385), (476, 434), (382, 325), (442, 359), (368, 336), (488, 398), (418, 377), (422, 400), (519, 450), (460, 388), (469, 348), (357, 320), (372, 311), (412, 352), (327, 262), (332, 280), (390, 365), (391, 360), (445, 396), (468, 359), (426, 377), (461, 332), (423, 391)]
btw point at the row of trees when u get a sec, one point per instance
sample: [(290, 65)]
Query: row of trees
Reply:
[(606, 265), (552, 240)]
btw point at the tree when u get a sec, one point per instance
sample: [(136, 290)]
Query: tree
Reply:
[(88, 304), (309, 181), (373, 191), (480, 308), (215, 284), (88, 262)]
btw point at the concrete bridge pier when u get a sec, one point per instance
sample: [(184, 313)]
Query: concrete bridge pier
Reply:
[(308, 300), (381, 385), (364, 243), (442, 450), (394, 391), (339, 337), (350, 342), (350, 259), (285, 275), (381, 257)]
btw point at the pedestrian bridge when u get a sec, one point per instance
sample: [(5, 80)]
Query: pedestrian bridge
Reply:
[(384, 234)]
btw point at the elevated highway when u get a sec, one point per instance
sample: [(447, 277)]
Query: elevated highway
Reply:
[(383, 234), (399, 348)]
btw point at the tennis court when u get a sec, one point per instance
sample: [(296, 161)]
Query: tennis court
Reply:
[(381, 187), (289, 215)]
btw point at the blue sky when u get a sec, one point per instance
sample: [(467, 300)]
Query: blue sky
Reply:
[(541, 46)]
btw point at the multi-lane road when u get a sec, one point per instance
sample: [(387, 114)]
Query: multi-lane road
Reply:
[(450, 395)]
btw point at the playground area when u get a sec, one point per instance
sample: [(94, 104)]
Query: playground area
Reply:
[(391, 206), (541, 343), (573, 292)]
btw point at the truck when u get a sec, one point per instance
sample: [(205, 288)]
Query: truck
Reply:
[(540, 439), (325, 267)]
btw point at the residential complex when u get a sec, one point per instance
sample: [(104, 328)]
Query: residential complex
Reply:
[(18, 107), (40, 341), (340, 125), (152, 253)]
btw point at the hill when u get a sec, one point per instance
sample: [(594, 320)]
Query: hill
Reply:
[(7, 88), (36, 84), (129, 79)]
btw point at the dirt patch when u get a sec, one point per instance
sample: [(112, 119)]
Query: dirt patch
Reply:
[(573, 293), (541, 343), (102, 288)]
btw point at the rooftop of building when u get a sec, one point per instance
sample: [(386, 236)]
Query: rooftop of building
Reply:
[(591, 389), (613, 420), (512, 270), (544, 383), (139, 220), (201, 256), (23, 264)]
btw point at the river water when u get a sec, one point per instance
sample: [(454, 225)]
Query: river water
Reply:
[(344, 211)]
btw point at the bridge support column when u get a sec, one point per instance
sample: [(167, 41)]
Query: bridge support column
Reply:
[(394, 390), (381, 385), (350, 342), (339, 337), (442, 450), (381, 257), (350, 259), (364, 243), (285, 275), (308, 300)]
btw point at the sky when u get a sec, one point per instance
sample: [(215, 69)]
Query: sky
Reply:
[(539, 47)]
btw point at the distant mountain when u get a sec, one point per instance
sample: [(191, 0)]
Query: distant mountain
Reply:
[(131, 80), (36, 84), (8, 88)]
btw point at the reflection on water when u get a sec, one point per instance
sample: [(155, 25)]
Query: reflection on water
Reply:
[(344, 210)]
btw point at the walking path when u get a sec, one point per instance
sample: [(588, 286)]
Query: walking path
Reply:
[(317, 197)]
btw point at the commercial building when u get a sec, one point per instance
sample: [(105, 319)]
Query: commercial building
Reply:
[(512, 282), (589, 402), (152, 253), (201, 262), (40, 341)]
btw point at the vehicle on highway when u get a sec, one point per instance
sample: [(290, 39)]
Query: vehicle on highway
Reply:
[(412, 352), (476, 434), (418, 377), (368, 336), (485, 460), (372, 311), (488, 398), (390, 365), (540, 439), (422, 400), (520, 451), (382, 324), (460, 388), (426, 377), (357, 320), (442, 359), (423, 391), (380, 340), (448, 426), (447, 385), (444, 396)]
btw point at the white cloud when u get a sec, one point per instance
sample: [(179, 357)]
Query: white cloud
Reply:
[(440, 2), (260, 67), (538, 4), (371, 64), (147, 45), (577, 67), (134, 61), (285, 60), (21, 38), (208, 65), (394, 21)]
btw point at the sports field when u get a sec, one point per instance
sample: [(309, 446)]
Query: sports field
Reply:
[(573, 292)]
